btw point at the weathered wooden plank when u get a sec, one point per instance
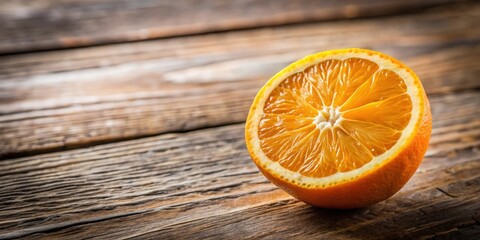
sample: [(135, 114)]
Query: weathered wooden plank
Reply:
[(203, 182), (408, 216), (405, 36), (49, 24), (75, 98)]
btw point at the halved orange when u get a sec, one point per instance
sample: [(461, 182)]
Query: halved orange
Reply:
[(340, 129)]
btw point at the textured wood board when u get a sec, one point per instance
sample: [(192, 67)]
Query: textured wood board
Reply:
[(50, 24), (73, 98), (130, 108), (203, 184)]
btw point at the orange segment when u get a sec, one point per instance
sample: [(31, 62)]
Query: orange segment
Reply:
[(381, 85), (338, 79), (374, 137), (382, 112), (294, 96), (335, 119)]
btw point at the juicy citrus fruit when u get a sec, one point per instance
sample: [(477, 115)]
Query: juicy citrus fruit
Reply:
[(340, 129)]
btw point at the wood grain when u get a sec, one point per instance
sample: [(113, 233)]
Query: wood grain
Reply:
[(203, 184), (67, 99), (48, 24)]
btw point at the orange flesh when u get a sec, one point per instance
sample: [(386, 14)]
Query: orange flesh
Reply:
[(335, 116)]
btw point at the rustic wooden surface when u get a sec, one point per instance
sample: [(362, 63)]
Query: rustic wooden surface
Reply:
[(145, 139), (27, 25), (80, 96)]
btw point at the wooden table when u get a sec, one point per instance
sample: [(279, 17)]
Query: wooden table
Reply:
[(124, 119)]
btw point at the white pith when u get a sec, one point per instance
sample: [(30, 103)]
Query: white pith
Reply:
[(335, 117), (328, 117)]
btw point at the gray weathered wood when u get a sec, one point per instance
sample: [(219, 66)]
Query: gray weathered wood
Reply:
[(49, 24), (66, 99), (203, 184)]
